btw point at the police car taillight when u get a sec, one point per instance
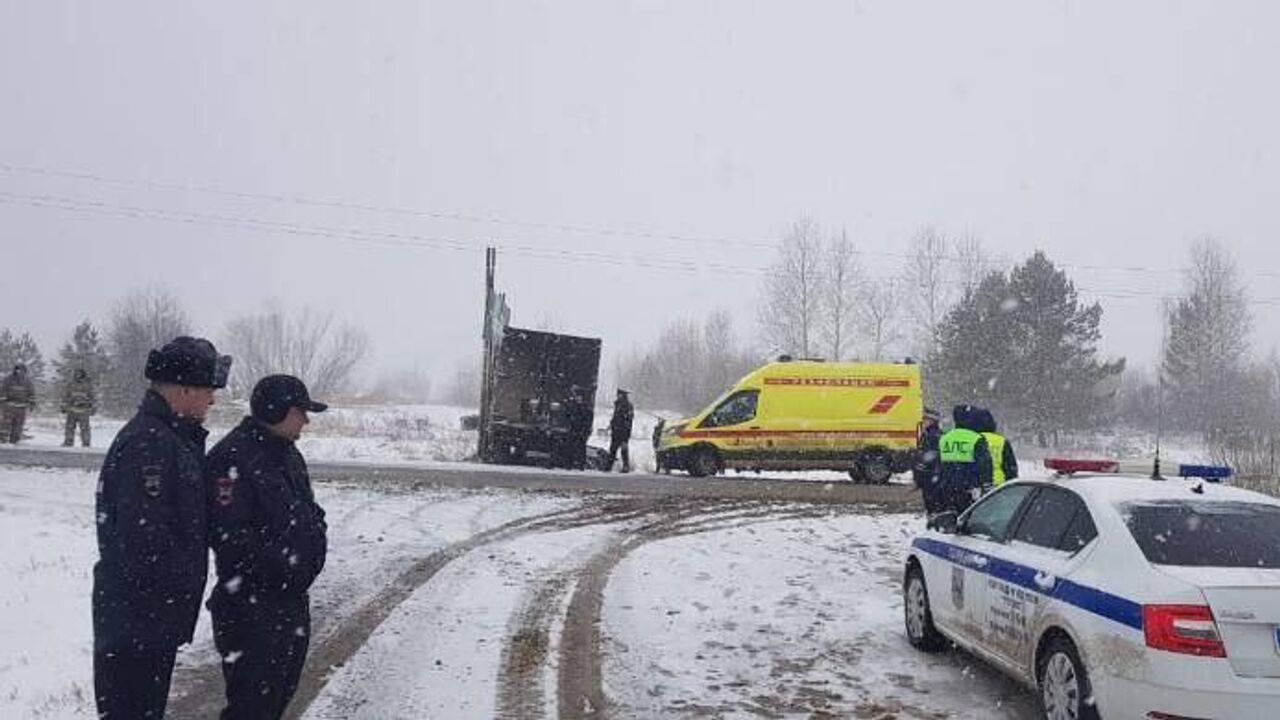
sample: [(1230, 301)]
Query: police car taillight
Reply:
[(1183, 629)]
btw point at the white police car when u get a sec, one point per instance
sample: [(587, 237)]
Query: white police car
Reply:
[(1114, 597)]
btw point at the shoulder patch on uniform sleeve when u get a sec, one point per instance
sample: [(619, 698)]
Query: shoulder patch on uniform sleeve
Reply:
[(152, 479), (226, 489)]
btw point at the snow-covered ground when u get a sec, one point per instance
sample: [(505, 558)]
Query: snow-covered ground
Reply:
[(361, 433), (702, 609)]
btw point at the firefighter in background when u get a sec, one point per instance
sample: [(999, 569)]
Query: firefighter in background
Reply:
[(17, 396), (78, 403), (929, 462), (966, 461), (620, 430), (1004, 464)]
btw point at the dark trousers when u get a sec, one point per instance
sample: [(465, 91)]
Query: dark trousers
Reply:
[(133, 682), (620, 443), (14, 420), (930, 491), (263, 651), (81, 421)]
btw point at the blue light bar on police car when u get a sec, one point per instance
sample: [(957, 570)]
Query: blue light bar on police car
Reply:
[(1150, 468)]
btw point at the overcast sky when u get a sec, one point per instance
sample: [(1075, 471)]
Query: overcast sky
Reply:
[(595, 140)]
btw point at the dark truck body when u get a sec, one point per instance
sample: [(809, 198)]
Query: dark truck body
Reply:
[(533, 374)]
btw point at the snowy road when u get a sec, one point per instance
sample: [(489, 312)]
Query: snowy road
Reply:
[(458, 603)]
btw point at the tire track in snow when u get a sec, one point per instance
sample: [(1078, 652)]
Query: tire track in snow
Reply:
[(528, 645), (580, 681), (336, 650)]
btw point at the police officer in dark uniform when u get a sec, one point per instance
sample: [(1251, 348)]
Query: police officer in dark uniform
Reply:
[(269, 539), (152, 515), (966, 461), (928, 465)]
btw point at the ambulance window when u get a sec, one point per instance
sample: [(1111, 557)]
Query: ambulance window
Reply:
[(737, 408), (992, 517), (1048, 517)]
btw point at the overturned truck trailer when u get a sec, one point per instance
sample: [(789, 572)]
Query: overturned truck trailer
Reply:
[(534, 377)]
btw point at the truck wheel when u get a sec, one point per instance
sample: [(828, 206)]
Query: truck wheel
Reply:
[(875, 469), (704, 462)]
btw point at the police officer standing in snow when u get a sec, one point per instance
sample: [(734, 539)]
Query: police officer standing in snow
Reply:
[(151, 513), (1004, 463), (966, 461), (929, 463), (620, 430), (269, 539)]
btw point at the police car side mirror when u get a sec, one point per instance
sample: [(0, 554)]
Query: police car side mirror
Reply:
[(945, 522)]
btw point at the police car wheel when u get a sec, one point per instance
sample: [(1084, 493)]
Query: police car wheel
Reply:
[(1065, 692), (921, 632)]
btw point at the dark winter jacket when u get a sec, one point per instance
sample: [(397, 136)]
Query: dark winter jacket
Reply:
[(78, 398), (267, 532), (17, 392), (623, 416), (928, 461), (966, 459), (151, 515)]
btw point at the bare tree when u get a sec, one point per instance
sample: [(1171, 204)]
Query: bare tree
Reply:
[(928, 287), (144, 320), (794, 288), (842, 277), (1208, 339), (463, 389), (688, 366), (879, 311), (972, 263), (306, 344)]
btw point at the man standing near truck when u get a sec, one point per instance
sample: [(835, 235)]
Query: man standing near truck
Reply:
[(620, 430)]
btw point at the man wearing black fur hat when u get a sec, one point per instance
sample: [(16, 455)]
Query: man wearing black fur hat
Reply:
[(152, 524), (269, 538)]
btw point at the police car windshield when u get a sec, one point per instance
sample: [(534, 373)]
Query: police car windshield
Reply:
[(1206, 534)]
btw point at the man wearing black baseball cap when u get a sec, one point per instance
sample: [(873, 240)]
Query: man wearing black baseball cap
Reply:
[(152, 524), (269, 540)]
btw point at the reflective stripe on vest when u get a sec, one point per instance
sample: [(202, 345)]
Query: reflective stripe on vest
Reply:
[(996, 443), (957, 446)]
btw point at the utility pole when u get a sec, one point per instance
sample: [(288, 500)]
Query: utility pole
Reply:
[(486, 362)]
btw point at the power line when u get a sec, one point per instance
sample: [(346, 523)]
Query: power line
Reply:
[(364, 236), (500, 221), (345, 205), (418, 241)]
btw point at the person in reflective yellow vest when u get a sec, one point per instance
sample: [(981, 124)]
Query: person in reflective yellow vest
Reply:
[(966, 460), (1004, 464)]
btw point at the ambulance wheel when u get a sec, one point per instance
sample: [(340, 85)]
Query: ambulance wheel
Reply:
[(921, 632), (875, 469), (704, 462), (1065, 692)]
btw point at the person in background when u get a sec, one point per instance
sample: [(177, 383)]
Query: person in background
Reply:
[(17, 396), (269, 540), (620, 430), (152, 519), (79, 402)]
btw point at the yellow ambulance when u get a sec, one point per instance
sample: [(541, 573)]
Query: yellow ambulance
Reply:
[(860, 418)]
